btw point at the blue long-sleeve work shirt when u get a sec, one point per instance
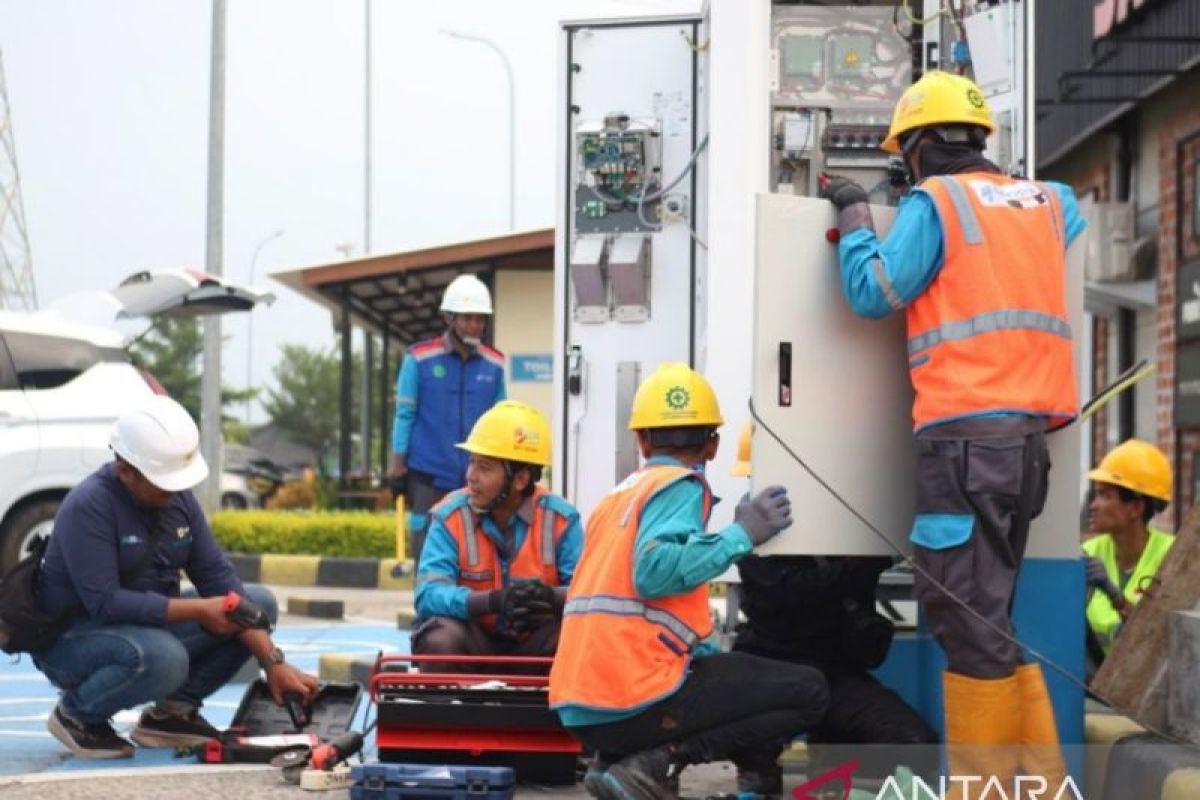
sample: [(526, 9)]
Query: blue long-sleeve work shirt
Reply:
[(672, 555), (100, 531), (913, 253), (438, 592)]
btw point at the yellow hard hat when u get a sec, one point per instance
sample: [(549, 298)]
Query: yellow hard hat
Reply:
[(1138, 466), (741, 467), (939, 98), (675, 396), (511, 431)]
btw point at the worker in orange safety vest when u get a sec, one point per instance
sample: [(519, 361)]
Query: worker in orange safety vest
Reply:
[(637, 677), (976, 261)]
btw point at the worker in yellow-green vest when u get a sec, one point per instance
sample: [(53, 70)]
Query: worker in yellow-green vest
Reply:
[(1132, 484)]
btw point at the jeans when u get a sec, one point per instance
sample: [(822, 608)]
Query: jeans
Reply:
[(443, 636), (105, 668)]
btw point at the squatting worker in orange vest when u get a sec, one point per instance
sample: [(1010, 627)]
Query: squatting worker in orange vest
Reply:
[(637, 677), (500, 552), (976, 261)]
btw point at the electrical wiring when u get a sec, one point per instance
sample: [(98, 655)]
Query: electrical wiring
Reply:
[(908, 560), (912, 18)]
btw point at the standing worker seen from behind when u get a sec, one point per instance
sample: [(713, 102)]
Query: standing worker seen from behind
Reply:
[(494, 572), (120, 541), (1131, 485), (445, 385), (638, 677), (976, 260)]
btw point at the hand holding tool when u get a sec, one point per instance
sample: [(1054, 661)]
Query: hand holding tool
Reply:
[(245, 612)]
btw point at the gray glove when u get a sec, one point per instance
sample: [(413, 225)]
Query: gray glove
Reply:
[(849, 199), (1096, 575), (766, 515)]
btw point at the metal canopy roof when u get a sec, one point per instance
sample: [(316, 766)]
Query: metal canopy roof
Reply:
[(398, 294)]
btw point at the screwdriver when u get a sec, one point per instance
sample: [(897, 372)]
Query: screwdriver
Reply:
[(245, 612)]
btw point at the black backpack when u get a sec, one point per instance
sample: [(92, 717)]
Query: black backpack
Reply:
[(24, 627)]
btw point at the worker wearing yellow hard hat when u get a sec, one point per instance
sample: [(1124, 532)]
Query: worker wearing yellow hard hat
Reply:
[(820, 612), (1131, 485), (637, 677), (976, 261), (500, 552)]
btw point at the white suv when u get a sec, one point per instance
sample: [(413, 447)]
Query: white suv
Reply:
[(63, 384)]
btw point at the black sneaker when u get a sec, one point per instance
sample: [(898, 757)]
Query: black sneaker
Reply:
[(641, 776), (155, 729), (97, 740), (593, 779), (765, 782)]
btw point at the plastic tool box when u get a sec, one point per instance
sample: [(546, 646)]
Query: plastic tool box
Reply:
[(261, 730), (495, 719), (430, 782)]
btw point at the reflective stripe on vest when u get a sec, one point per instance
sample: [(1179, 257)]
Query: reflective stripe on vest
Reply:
[(549, 520), (470, 534), (627, 607), (990, 333)]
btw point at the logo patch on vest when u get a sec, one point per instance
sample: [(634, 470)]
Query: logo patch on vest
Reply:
[(1022, 194), (439, 371)]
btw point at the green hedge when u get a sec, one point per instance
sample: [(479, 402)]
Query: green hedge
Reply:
[(349, 534)]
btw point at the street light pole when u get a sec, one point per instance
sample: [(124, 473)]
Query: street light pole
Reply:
[(250, 318), (512, 118)]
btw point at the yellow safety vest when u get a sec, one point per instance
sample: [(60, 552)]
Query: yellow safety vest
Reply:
[(1101, 616)]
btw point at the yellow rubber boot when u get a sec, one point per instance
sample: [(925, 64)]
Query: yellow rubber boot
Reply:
[(1040, 751), (983, 735)]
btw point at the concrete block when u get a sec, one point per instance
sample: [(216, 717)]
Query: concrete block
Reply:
[(1183, 665), (405, 618), (1182, 784), (322, 609), (392, 578), (341, 668), (280, 570), (1100, 732), (360, 573)]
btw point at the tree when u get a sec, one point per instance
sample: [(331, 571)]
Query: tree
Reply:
[(304, 401), (171, 353)]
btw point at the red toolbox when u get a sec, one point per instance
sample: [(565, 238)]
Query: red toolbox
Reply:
[(492, 719)]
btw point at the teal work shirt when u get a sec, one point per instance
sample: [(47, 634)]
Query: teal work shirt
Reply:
[(672, 555)]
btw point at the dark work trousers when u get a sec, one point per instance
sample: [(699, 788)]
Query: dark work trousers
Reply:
[(996, 470), (421, 496), (730, 706), (451, 637)]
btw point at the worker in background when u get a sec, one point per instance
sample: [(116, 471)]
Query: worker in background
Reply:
[(975, 259), (637, 677), (819, 611), (500, 553), (1131, 485), (120, 541), (445, 385)]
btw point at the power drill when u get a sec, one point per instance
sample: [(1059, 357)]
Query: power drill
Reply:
[(245, 612)]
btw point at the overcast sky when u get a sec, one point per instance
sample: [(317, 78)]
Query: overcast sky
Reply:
[(109, 105)]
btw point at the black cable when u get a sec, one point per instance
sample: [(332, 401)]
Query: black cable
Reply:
[(916, 568)]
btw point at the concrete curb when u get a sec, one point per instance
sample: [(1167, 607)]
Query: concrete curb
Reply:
[(319, 609), (352, 573)]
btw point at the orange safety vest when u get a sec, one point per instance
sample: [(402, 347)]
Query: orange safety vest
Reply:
[(479, 567), (991, 333), (618, 651)]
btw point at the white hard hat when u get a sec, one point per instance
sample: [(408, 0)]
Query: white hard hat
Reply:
[(466, 294), (160, 439)]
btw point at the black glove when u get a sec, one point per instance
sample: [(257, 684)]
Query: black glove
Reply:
[(522, 606), (398, 485), (1097, 576), (842, 192), (764, 516)]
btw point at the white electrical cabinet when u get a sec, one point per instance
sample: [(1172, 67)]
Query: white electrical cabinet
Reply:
[(627, 263)]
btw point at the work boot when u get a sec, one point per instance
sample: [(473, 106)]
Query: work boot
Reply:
[(983, 731), (87, 740), (765, 782), (1040, 751), (593, 779), (157, 728), (641, 776)]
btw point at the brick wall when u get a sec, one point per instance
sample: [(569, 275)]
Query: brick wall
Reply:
[(1184, 125)]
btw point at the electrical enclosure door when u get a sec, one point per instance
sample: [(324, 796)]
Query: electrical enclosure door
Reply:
[(846, 406), (646, 72)]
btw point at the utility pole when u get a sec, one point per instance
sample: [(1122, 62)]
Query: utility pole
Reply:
[(210, 380), (16, 265), (365, 417)]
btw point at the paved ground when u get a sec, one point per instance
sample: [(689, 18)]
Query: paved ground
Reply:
[(34, 766)]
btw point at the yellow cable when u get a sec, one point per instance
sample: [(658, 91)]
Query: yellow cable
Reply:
[(1102, 400), (908, 13)]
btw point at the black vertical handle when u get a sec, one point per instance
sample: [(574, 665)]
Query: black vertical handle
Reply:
[(785, 373)]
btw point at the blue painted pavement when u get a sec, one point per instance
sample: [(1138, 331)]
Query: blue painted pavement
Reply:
[(26, 699)]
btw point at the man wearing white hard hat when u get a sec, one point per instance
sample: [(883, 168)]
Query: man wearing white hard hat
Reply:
[(120, 540), (445, 385)]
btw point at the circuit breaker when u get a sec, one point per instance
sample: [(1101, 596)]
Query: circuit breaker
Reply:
[(618, 171)]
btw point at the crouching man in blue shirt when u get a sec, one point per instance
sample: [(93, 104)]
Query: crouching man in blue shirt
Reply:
[(137, 639)]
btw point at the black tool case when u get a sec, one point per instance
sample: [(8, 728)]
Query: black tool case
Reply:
[(430, 782), (261, 730)]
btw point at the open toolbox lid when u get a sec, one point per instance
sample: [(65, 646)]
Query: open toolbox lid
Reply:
[(333, 711)]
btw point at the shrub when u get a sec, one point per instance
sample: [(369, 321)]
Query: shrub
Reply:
[(349, 534)]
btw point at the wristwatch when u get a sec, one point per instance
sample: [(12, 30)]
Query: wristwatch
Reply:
[(272, 659)]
